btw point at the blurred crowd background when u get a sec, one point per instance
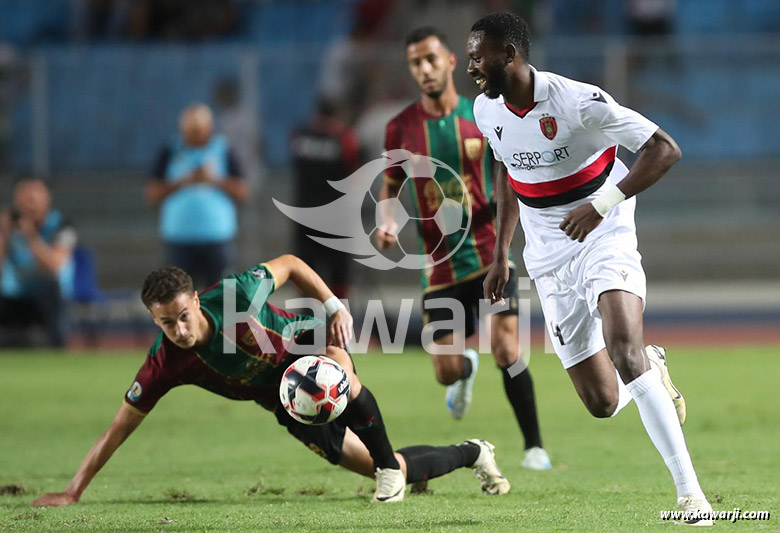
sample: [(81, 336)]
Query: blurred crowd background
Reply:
[(92, 92)]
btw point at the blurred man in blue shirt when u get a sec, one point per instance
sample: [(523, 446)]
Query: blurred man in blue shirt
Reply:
[(36, 257), (197, 183)]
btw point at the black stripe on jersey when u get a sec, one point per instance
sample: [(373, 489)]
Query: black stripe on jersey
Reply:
[(578, 193)]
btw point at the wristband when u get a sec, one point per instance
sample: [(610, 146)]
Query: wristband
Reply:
[(611, 197), (332, 305)]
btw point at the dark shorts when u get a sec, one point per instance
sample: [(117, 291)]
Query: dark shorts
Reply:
[(468, 293), (325, 440)]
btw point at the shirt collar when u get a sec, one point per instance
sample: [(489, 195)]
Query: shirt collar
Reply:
[(541, 85)]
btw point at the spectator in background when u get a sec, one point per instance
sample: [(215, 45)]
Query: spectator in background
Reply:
[(651, 18), (188, 20), (238, 121), (197, 182), (350, 70), (324, 150), (36, 257)]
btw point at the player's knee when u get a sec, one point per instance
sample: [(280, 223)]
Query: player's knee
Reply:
[(618, 342), (343, 358), (601, 403), (630, 363), (447, 374), (627, 355), (505, 354)]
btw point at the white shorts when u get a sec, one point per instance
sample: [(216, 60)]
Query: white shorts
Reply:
[(570, 294)]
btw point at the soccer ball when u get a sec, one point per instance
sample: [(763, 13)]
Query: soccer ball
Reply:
[(314, 390)]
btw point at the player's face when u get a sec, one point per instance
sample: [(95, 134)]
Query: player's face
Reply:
[(180, 319), (486, 65), (431, 65)]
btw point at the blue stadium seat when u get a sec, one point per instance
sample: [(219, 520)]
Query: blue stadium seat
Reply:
[(85, 285)]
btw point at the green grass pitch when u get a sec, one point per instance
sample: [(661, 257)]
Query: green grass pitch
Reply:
[(203, 463)]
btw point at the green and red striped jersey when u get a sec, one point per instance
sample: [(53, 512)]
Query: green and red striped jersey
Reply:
[(248, 370), (456, 141)]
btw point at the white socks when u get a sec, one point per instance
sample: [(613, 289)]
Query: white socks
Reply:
[(660, 419), (624, 397)]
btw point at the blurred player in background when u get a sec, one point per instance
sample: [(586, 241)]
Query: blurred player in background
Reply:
[(323, 150), (197, 182), (190, 350), (557, 139), (441, 125), (36, 267)]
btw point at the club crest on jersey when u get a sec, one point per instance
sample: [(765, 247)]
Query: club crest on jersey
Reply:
[(549, 126), (473, 148)]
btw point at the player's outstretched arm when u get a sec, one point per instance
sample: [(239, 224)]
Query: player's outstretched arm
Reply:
[(508, 215), (386, 232), (311, 284), (123, 425), (657, 156)]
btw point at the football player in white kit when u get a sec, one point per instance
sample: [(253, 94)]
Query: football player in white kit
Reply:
[(557, 139)]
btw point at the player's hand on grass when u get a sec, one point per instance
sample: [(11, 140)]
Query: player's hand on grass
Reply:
[(581, 221), (55, 499), (385, 235), (340, 331), (495, 281)]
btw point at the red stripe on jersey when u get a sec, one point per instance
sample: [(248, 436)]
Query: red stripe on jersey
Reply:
[(562, 185), (520, 112), (281, 312)]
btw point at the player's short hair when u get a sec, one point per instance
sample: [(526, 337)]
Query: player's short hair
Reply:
[(505, 27), (420, 34), (164, 284)]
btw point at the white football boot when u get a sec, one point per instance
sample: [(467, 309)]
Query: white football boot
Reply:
[(657, 357), (695, 506), (390, 485), (460, 393), (536, 458), (485, 468)]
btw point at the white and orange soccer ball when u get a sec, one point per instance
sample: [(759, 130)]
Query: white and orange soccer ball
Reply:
[(314, 390)]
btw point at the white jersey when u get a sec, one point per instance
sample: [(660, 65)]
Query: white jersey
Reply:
[(559, 153)]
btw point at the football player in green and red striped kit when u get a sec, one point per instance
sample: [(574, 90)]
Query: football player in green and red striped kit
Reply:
[(441, 125), (244, 358)]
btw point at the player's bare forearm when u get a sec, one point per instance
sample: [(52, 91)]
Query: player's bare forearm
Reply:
[(289, 267), (508, 215), (125, 422), (657, 156), (311, 284), (386, 231)]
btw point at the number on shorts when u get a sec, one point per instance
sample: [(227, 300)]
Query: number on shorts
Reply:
[(557, 332)]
